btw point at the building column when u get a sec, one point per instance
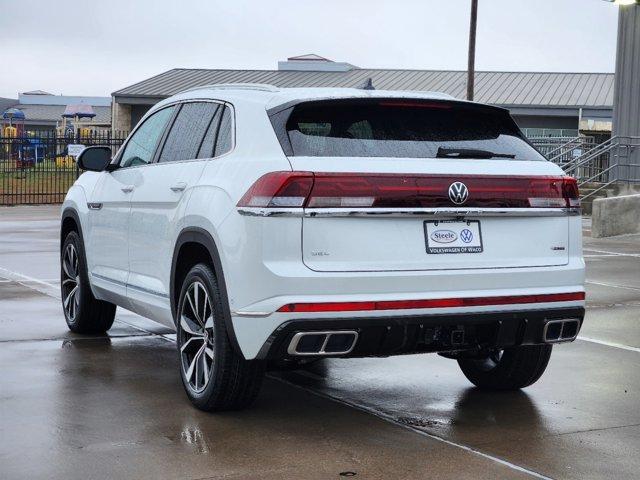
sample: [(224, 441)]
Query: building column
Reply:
[(120, 117), (626, 101)]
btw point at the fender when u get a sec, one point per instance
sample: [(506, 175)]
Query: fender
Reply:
[(201, 236)]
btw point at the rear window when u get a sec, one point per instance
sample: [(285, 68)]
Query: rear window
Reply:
[(401, 128)]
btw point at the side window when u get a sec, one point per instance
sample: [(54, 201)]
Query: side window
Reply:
[(142, 145), (188, 131), (225, 134), (209, 140)]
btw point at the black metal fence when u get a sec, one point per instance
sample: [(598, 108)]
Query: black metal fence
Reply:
[(37, 169)]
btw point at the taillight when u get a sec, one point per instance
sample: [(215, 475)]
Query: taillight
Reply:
[(279, 189), (571, 192), (549, 192), (368, 190)]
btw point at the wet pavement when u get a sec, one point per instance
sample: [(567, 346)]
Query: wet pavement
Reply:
[(113, 406)]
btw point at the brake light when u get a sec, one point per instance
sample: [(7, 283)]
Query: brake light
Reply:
[(551, 192), (279, 189), (410, 104), (368, 190), (571, 192)]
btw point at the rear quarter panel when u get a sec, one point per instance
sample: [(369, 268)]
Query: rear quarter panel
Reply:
[(212, 205)]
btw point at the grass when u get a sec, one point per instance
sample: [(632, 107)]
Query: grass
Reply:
[(43, 183)]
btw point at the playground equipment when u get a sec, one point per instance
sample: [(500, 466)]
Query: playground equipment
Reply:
[(12, 125), (13, 122), (24, 149), (10, 131), (15, 146), (74, 120), (76, 123), (30, 151)]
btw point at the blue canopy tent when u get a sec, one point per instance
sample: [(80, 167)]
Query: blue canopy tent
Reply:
[(13, 114)]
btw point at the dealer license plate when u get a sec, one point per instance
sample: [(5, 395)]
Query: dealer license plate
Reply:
[(453, 236)]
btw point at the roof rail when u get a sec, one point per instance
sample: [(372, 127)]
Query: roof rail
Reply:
[(263, 87)]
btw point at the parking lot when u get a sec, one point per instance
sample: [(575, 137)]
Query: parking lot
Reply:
[(113, 406)]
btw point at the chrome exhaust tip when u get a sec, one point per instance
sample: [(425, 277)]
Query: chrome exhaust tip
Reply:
[(556, 331), (333, 342)]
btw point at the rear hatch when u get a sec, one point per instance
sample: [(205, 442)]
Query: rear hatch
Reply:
[(400, 185)]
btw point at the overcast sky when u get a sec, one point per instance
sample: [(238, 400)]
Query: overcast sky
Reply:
[(95, 47)]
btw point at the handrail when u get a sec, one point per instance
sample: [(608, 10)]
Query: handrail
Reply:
[(600, 164), (562, 148), (591, 154)]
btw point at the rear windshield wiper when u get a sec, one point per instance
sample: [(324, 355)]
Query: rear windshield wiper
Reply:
[(469, 153)]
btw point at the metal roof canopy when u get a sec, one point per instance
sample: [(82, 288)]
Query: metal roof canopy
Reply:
[(511, 89)]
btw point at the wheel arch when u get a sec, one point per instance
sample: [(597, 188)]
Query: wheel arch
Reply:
[(195, 240), (70, 221)]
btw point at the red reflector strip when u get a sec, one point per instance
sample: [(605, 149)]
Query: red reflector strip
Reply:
[(431, 303)]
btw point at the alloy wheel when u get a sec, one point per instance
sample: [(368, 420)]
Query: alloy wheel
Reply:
[(70, 282), (196, 337)]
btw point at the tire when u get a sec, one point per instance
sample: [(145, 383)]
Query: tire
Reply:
[(510, 369), (82, 311), (215, 377)]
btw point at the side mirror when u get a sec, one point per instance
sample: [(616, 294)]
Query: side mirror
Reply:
[(94, 159)]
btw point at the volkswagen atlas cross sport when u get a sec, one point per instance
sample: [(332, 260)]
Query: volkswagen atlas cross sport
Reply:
[(274, 227)]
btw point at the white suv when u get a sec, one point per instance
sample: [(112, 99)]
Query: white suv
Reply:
[(278, 226)]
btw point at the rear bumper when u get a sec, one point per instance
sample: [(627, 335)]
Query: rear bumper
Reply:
[(397, 335)]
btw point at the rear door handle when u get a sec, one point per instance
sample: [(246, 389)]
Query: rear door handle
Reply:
[(178, 187), (127, 188)]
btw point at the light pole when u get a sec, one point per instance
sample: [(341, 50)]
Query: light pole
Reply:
[(471, 66)]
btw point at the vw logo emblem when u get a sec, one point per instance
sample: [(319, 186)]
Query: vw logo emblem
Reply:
[(458, 193)]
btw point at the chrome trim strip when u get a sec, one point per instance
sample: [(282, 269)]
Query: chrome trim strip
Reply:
[(147, 291), (128, 285), (116, 158), (242, 313), (409, 212), (270, 212), (110, 280)]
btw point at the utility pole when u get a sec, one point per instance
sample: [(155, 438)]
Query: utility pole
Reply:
[(471, 69)]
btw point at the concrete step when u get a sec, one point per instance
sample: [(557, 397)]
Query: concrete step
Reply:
[(588, 189), (614, 190)]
